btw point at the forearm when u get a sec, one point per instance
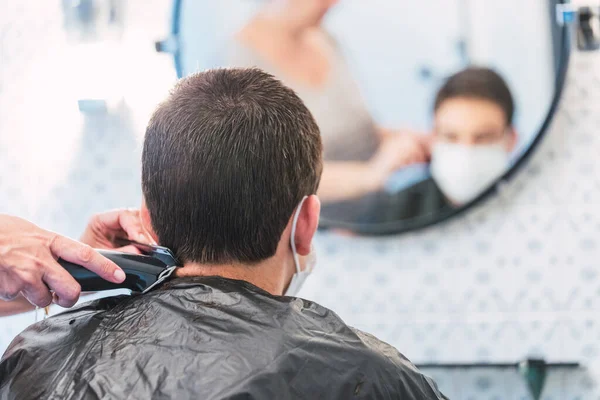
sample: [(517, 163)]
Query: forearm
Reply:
[(17, 306), (346, 180)]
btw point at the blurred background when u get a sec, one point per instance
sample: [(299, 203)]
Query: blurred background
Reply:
[(514, 277)]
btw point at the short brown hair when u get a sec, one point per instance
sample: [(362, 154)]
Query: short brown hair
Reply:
[(479, 83), (226, 159)]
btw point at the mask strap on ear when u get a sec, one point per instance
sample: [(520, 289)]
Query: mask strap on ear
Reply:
[(293, 234)]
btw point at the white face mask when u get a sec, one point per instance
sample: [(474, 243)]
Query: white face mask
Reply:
[(300, 276), (463, 172)]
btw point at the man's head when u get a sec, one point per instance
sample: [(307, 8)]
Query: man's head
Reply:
[(475, 106), (473, 132), (227, 159)]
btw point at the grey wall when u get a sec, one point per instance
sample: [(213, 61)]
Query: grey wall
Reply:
[(518, 276)]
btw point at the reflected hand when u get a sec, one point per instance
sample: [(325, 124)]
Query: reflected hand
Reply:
[(400, 150), (104, 228), (28, 264)]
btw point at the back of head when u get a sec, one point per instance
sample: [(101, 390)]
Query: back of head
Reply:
[(226, 159), (478, 83)]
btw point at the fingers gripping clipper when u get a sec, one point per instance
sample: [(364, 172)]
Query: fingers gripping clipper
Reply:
[(143, 271)]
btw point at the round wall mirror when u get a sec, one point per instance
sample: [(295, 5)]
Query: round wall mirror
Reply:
[(423, 106)]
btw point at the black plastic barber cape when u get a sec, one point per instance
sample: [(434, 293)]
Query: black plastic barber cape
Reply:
[(205, 338)]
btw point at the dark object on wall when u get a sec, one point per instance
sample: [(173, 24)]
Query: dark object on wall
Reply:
[(588, 30), (534, 373)]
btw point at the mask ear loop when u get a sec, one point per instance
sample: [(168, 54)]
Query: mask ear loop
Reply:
[(293, 234)]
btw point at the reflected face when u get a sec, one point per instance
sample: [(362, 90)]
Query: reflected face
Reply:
[(471, 147), (472, 122)]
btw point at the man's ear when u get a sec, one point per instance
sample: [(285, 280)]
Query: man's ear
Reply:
[(147, 222), (512, 139), (307, 224)]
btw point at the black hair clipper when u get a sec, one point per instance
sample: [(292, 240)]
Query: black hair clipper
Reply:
[(142, 271)]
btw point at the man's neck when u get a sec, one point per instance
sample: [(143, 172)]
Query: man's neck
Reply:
[(268, 275)]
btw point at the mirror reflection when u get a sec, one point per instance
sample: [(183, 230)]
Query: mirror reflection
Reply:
[(468, 149), (416, 122)]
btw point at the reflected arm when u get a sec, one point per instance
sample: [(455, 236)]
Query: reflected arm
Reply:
[(17, 306), (346, 180)]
